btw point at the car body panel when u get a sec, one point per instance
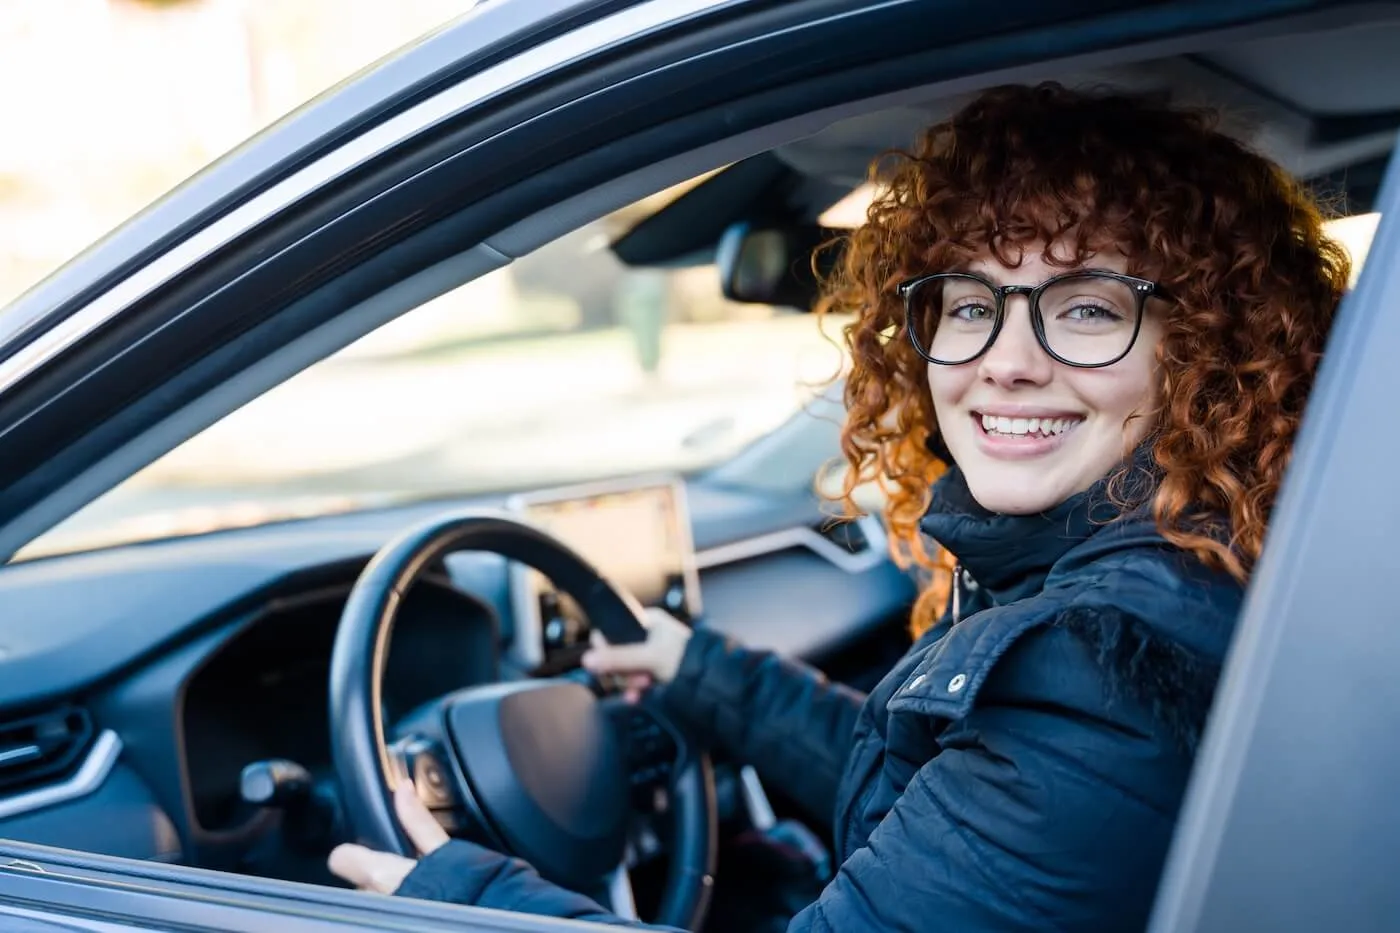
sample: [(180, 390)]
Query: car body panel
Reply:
[(1290, 822)]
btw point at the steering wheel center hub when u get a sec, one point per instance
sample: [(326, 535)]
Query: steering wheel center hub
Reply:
[(547, 767)]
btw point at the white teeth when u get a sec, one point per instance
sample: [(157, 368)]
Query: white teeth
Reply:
[(995, 424)]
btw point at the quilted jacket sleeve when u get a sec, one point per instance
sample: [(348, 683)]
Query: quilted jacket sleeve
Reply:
[(465, 873), (786, 719)]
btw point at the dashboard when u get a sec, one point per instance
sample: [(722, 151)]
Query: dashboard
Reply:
[(186, 660), (262, 695)]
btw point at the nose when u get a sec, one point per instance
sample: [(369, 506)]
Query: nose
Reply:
[(1016, 359)]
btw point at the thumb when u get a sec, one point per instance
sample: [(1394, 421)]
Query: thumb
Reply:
[(423, 829), (369, 870)]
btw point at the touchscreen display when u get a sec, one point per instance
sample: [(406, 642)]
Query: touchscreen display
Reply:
[(637, 534), (636, 538)]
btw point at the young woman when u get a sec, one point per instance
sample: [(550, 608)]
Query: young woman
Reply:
[(1087, 326)]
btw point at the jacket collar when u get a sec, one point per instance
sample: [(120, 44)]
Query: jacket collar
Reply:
[(1010, 555)]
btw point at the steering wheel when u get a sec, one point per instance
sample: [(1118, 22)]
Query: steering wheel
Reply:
[(550, 770)]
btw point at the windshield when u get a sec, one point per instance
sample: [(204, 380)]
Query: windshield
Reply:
[(563, 366)]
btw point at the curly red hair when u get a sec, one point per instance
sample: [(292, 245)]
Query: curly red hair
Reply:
[(1237, 243)]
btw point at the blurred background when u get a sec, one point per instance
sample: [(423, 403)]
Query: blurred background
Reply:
[(110, 103), (564, 366)]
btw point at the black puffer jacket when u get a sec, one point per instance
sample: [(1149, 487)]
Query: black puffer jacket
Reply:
[(1022, 766)]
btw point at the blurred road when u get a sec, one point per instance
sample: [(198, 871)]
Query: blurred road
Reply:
[(482, 416)]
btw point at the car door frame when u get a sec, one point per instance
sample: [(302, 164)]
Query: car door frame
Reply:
[(107, 895), (1290, 822)]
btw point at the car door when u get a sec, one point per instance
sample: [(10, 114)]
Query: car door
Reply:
[(47, 891), (426, 173)]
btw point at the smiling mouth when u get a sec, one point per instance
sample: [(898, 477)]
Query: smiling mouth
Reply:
[(1000, 426)]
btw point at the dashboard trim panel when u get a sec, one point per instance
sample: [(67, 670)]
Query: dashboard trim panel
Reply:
[(87, 779), (527, 648), (804, 537)]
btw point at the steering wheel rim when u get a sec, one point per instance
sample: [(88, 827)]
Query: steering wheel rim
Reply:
[(359, 741)]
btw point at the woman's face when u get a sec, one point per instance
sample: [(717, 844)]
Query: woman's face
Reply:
[(1022, 466)]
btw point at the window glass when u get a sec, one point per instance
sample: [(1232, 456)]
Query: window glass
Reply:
[(563, 366)]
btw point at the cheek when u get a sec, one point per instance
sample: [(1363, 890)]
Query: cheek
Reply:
[(1130, 388), (946, 385)]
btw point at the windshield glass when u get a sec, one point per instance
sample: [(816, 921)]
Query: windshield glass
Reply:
[(565, 365)]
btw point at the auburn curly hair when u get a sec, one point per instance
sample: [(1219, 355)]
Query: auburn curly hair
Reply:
[(1237, 243)]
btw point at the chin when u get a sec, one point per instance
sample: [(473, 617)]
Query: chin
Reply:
[(1013, 495)]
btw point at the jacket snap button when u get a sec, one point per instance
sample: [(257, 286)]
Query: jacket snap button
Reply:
[(914, 684), (968, 583), (957, 683)]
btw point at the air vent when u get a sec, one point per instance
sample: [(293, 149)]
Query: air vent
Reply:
[(42, 748), (849, 536)]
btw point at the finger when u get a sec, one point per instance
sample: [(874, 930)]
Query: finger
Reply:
[(608, 659), (423, 829), (652, 615)]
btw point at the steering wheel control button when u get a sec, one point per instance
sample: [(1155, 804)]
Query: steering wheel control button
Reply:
[(651, 752), (957, 683), (431, 782), (421, 761)]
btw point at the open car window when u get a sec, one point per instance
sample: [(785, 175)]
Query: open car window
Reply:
[(564, 366)]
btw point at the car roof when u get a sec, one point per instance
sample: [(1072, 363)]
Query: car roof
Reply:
[(1320, 98)]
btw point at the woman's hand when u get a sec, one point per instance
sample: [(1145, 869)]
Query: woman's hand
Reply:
[(655, 660), (369, 870)]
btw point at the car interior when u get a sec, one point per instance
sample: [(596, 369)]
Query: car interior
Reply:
[(166, 699)]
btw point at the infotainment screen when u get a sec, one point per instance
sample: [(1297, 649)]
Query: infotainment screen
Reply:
[(636, 532)]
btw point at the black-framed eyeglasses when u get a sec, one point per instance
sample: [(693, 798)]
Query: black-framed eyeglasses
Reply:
[(1088, 318)]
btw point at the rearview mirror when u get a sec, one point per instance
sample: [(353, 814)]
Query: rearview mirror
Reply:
[(773, 265)]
